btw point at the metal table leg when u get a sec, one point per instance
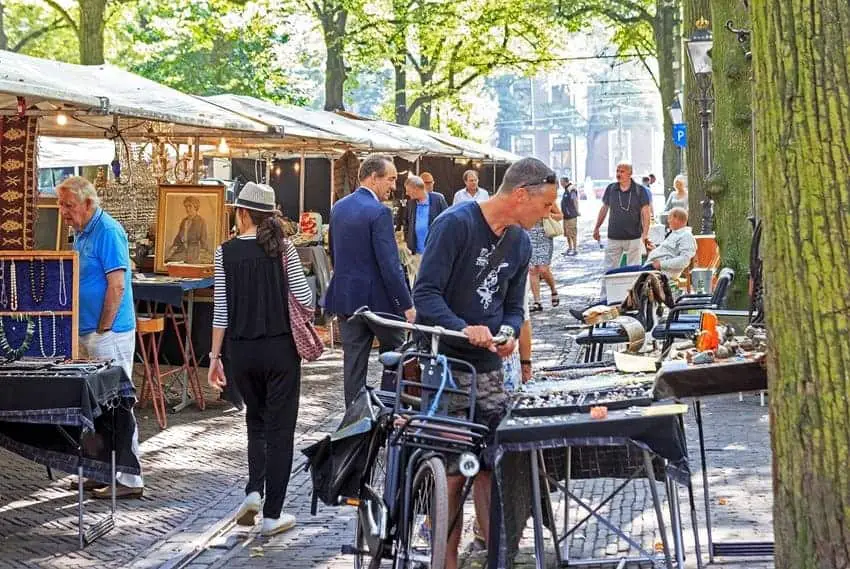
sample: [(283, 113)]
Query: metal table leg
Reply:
[(675, 522), (650, 477), (698, 412), (539, 551), (188, 356)]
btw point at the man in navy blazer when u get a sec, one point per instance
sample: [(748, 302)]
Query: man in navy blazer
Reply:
[(367, 270), (422, 209)]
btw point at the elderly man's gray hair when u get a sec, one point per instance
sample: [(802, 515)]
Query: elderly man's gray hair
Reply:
[(415, 181), (81, 188), (529, 173)]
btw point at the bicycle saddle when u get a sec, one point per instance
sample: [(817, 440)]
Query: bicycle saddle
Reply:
[(390, 359)]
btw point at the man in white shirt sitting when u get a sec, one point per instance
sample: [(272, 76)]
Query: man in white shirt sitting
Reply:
[(471, 191), (671, 257)]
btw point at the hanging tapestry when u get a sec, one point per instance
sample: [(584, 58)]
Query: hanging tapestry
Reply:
[(18, 182), (345, 174)]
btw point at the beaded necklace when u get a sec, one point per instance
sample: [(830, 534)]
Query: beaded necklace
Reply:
[(37, 292), (15, 353), (41, 335), (13, 284), (63, 292), (4, 300), (620, 199)]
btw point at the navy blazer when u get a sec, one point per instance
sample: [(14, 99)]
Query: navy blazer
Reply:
[(367, 270), (438, 206)]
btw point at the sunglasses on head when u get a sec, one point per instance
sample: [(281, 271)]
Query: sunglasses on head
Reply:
[(550, 179)]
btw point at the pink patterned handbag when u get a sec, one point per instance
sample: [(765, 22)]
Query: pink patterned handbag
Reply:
[(307, 340)]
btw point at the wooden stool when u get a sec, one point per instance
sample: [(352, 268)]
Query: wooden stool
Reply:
[(148, 331)]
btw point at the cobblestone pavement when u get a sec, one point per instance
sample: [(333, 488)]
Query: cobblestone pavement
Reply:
[(196, 468)]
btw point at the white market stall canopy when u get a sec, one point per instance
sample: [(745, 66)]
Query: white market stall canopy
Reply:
[(54, 152), (337, 132), (91, 96), (101, 102)]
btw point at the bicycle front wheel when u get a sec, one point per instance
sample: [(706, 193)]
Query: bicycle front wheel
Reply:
[(428, 518), (366, 557)]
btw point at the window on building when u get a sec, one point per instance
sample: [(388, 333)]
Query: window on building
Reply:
[(560, 154), (523, 145), (559, 95)]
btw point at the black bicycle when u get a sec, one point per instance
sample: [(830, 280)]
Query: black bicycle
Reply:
[(403, 505)]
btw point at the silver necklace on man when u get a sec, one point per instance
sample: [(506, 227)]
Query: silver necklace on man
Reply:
[(620, 199)]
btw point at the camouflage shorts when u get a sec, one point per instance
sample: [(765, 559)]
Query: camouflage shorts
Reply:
[(490, 396), (491, 401)]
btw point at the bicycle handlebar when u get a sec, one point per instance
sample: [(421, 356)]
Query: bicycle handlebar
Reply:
[(430, 330)]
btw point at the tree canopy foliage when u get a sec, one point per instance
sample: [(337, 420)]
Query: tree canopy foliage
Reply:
[(209, 47)]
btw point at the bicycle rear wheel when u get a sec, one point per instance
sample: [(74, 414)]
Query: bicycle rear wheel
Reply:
[(428, 518), (362, 558)]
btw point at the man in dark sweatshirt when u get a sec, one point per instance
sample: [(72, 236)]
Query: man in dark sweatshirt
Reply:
[(472, 279)]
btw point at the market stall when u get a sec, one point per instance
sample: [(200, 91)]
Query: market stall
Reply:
[(594, 424)]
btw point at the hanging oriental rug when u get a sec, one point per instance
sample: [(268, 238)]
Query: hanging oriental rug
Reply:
[(18, 182)]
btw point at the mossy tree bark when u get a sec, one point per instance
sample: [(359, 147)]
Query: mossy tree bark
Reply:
[(92, 13), (692, 10), (663, 27), (730, 181), (802, 94)]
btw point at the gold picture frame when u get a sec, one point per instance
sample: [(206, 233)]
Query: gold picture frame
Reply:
[(189, 225)]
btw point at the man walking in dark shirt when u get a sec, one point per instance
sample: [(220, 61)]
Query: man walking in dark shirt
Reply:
[(628, 226), (569, 207), (472, 279)]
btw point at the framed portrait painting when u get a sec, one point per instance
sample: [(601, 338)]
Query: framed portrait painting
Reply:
[(190, 225)]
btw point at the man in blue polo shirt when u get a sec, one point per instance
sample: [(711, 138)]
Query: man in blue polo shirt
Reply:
[(107, 317)]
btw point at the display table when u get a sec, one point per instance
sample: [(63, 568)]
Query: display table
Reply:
[(170, 292), (646, 441), (75, 418), (720, 378)]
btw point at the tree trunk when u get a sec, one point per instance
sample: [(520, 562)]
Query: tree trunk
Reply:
[(4, 41), (333, 27), (693, 10), (400, 74), (665, 47), (425, 116), (730, 183), (91, 31), (802, 84)]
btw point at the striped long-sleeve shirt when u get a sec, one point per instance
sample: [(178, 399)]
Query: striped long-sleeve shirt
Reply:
[(297, 283)]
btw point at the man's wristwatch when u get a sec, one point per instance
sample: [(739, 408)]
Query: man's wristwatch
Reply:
[(215, 356), (507, 332)]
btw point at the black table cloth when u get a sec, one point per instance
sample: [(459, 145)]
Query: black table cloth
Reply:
[(70, 420), (611, 448), (719, 378)]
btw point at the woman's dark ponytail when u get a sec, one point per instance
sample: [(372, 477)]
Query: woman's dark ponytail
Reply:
[(270, 232)]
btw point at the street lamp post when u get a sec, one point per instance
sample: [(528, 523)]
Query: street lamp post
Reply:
[(699, 53), (677, 118)]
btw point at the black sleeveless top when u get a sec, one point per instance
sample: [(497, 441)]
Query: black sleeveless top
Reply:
[(256, 291)]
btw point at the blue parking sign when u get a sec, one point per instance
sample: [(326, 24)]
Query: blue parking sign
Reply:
[(680, 135)]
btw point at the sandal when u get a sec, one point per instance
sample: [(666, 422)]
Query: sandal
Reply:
[(535, 307), (555, 300)]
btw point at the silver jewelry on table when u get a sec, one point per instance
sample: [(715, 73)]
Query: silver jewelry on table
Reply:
[(41, 335), (63, 292), (13, 284)]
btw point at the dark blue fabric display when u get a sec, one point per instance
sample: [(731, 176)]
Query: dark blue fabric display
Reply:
[(15, 329), (51, 285)]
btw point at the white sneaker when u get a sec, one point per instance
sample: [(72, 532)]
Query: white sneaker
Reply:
[(249, 509), (273, 526)]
